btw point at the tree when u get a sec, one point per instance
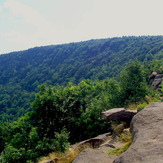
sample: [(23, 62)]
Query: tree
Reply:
[(132, 83)]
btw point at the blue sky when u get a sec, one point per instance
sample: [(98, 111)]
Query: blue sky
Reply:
[(29, 23)]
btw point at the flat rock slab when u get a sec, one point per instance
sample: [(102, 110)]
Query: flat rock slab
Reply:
[(93, 156), (97, 141), (119, 114), (147, 137)]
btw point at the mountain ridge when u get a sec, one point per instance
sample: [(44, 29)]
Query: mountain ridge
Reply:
[(21, 72)]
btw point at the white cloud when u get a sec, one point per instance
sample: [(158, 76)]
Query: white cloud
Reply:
[(26, 24), (29, 27), (30, 15)]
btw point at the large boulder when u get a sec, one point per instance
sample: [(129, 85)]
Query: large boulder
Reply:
[(147, 137), (119, 114)]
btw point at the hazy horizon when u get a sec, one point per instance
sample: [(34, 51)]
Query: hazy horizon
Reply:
[(78, 42), (27, 24)]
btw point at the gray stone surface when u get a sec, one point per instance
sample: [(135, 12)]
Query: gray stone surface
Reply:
[(159, 76), (155, 80), (97, 141), (147, 135), (98, 155), (119, 114), (93, 156)]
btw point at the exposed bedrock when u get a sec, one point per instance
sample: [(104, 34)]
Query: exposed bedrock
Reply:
[(147, 136)]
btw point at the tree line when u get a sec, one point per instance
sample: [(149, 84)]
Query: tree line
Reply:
[(22, 72), (63, 115)]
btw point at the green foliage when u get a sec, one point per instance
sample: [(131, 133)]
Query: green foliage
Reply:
[(77, 108), (13, 155), (68, 114), (162, 89), (132, 83), (23, 144), (143, 105), (21, 72), (62, 141), (59, 114), (2, 140)]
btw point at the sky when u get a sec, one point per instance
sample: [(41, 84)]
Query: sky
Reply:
[(28, 23)]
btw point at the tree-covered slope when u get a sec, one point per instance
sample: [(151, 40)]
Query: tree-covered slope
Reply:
[(21, 72), (62, 115)]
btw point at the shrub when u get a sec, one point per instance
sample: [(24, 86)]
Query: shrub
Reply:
[(62, 141)]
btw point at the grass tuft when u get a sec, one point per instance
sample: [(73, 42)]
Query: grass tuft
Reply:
[(125, 138), (118, 151)]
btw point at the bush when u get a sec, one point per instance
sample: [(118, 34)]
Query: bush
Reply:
[(13, 155)]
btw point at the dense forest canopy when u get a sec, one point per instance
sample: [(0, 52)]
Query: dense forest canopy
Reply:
[(63, 115), (22, 72), (64, 88)]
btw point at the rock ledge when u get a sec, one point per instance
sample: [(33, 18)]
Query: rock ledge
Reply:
[(147, 136)]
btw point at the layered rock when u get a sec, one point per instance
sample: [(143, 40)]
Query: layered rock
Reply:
[(147, 137), (155, 80)]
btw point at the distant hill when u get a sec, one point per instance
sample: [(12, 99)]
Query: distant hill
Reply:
[(21, 72)]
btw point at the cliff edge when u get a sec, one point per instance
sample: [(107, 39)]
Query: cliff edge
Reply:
[(147, 136)]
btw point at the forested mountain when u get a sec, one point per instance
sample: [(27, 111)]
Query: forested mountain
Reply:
[(21, 72), (61, 116)]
